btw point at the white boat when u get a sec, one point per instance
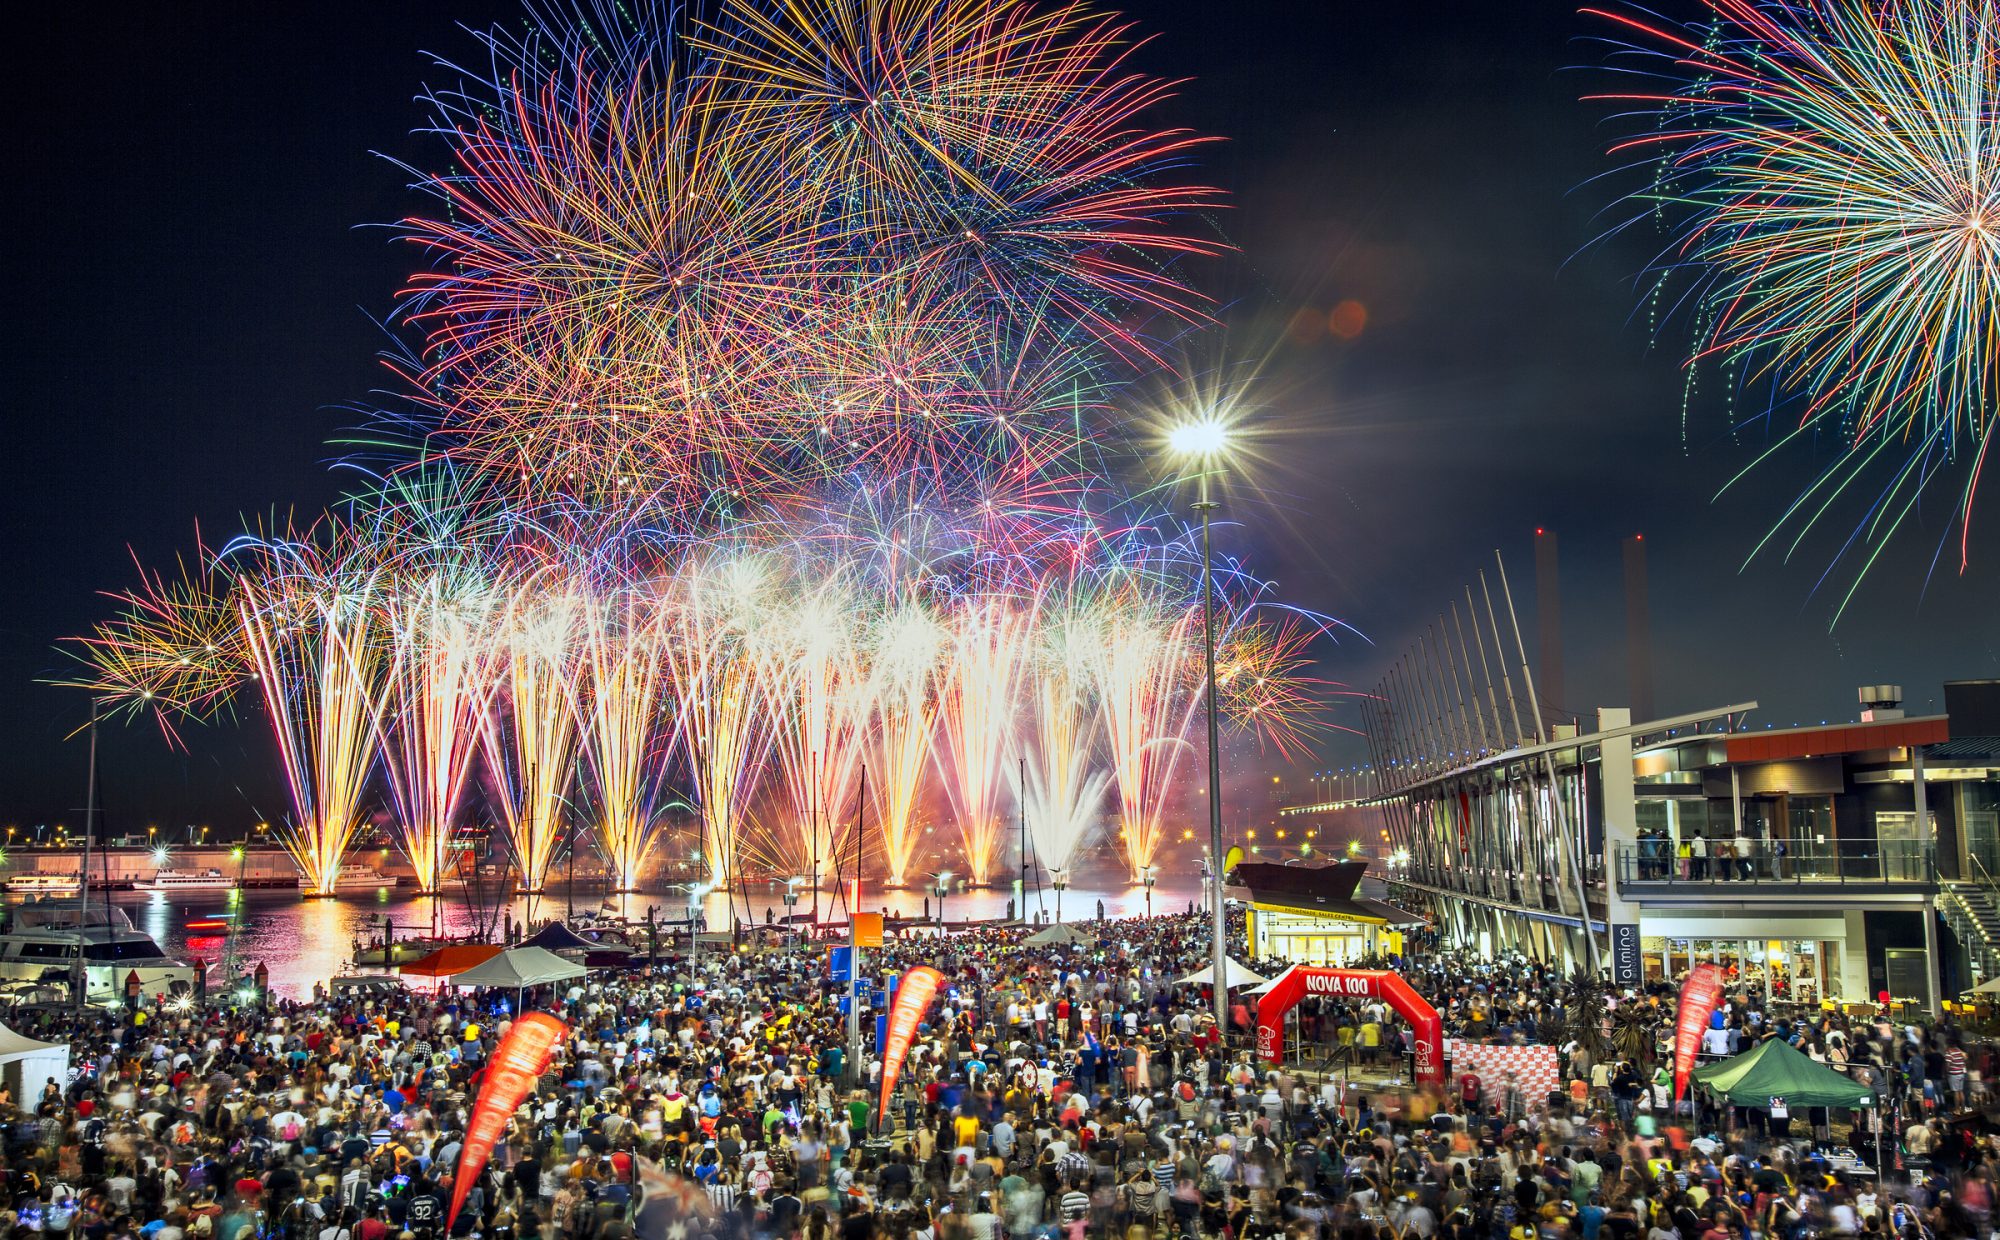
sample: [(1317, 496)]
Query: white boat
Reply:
[(42, 884), (359, 876), (186, 880), (41, 940)]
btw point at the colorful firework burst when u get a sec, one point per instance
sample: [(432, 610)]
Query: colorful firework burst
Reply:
[(1825, 168)]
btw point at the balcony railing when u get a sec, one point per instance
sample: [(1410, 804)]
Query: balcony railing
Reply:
[(1779, 862)]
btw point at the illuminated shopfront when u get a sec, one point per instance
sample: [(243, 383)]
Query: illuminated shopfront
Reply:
[(1804, 971)]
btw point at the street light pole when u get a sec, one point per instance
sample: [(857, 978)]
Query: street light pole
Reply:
[(1205, 443), (1219, 954)]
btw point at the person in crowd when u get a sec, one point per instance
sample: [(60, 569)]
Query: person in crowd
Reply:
[(1069, 1091)]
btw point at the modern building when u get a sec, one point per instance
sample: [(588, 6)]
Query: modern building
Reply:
[(1795, 858), (1316, 914)]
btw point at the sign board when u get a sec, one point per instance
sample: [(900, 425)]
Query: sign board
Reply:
[(868, 929), (840, 964), (1628, 968)]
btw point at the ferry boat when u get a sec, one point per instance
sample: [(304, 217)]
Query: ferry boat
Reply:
[(40, 940), (37, 883), (186, 880), (359, 876)]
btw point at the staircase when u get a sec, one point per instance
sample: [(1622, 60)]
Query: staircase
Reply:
[(1972, 910)]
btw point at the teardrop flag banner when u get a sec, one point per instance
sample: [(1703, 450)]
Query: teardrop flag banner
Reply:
[(522, 1056), (913, 998), (1701, 994)]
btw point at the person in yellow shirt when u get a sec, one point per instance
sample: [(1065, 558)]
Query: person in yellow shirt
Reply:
[(1371, 1041), (966, 1130)]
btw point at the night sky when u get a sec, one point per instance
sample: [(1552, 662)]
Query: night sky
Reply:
[(195, 281)]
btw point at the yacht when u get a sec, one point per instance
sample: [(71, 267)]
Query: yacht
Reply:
[(40, 939), (38, 883), (359, 876), (186, 880)]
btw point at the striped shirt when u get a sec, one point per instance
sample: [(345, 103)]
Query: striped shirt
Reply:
[(1075, 1205)]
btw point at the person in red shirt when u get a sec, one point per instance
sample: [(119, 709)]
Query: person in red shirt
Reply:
[(372, 1227), (1469, 1092)]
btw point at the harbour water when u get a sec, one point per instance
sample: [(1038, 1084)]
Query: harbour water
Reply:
[(305, 941)]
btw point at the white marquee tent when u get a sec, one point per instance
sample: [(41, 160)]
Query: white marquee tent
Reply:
[(27, 1065), (520, 968), (1237, 973)]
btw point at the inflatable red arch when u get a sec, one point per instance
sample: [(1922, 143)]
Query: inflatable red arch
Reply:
[(1301, 980)]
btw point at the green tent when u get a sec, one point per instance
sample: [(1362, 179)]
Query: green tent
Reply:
[(1774, 1070)]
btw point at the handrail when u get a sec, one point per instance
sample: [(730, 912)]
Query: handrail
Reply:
[(1829, 860), (1985, 875), (1337, 1053)]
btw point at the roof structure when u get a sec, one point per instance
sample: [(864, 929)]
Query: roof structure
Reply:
[(1329, 891)]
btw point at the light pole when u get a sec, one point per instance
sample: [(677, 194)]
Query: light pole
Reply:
[(791, 897), (697, 917), (1060, 878), (1204, 442), (1151, 875), (941, 887)]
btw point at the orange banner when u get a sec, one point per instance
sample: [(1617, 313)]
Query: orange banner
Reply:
[(522, 1056), (868, 929), (913, 998)]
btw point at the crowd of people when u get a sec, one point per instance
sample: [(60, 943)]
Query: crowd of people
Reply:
[(1063, 1092)]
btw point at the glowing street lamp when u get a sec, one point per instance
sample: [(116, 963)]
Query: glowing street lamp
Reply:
[(1203, 443)]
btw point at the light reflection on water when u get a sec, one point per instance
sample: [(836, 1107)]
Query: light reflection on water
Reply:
[(304, 941)]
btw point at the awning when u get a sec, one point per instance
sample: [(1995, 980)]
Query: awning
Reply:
[(1359, 909), (450, 961), (1237, 973), (523, 966)]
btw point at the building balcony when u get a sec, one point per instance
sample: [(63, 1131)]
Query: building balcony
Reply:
[(1777, 868)]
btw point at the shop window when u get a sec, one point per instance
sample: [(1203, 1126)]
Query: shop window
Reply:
[(1653, 959)]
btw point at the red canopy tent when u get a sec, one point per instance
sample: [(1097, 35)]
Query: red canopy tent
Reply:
[(450, 961)]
